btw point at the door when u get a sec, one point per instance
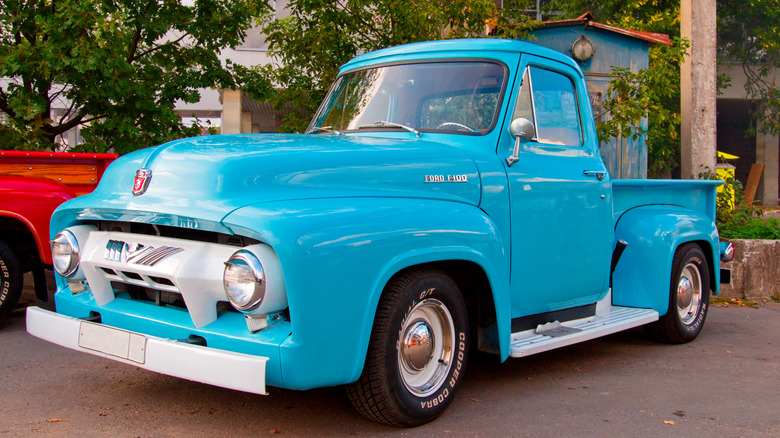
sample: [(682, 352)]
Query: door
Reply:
[(560, 194)]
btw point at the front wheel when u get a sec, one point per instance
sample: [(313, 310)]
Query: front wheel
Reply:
[(10, 280), (689, 298), (417, 352)]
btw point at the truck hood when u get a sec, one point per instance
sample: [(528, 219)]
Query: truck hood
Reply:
[(208, 177)]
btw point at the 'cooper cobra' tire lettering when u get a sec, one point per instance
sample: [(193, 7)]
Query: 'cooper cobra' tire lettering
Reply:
[(11, 285)]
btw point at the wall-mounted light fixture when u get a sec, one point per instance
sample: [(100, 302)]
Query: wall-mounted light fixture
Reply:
[(583, 49)]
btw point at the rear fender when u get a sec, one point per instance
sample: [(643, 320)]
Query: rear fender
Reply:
[(642, 276), (337, 255)]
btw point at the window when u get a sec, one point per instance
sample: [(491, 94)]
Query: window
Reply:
[(549, 100), (470, 109), (461, 97)]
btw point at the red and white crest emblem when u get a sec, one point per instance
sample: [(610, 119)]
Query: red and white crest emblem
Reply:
[(142, 179)]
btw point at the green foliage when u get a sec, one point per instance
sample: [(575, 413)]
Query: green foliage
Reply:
[(744, 221), (653, 92), (319, 36), (748, 224), (116, 67), (662, 16)]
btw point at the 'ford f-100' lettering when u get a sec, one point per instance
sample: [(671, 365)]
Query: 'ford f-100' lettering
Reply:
[(447, 196)]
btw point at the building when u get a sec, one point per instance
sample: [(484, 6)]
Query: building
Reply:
[(738, 135)]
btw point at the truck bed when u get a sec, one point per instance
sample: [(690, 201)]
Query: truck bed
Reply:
[(697, 195), (79, 171)]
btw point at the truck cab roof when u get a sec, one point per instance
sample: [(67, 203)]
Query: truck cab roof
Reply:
[(449, 49)]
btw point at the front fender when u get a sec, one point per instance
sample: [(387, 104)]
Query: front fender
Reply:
[(642, 276), (31, 201), (337, 255)]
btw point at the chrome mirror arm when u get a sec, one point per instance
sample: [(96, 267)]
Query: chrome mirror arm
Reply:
[(516, 154)]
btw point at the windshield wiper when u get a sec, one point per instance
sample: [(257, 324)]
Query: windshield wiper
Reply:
[(322, 129), (385, 124)]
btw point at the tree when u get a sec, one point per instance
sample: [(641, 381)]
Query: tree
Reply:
[(653, 92), (115, 68), (318, 36), (748, 33)]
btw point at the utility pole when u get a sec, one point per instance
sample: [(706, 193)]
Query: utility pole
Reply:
[(698, 85)]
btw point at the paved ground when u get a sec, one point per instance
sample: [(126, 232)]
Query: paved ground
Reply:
[(724, 384)]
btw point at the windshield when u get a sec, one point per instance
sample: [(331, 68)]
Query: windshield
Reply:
[(461, 97)]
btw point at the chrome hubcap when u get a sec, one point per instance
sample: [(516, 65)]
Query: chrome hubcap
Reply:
[(426, 345), (689, 294), (417, 345)]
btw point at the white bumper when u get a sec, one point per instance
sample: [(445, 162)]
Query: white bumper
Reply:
[(192, 362)]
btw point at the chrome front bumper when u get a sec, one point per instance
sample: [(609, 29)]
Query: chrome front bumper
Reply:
[(221, 368)]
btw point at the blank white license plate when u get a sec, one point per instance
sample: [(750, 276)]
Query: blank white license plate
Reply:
[(113, 341)]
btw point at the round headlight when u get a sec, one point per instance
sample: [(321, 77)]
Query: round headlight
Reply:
[(244, 281), (65, 254)]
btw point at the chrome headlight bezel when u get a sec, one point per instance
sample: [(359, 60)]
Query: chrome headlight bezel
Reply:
[(244, 281), (65, 245)]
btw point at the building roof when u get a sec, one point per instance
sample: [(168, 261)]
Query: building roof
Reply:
[(586, 20)]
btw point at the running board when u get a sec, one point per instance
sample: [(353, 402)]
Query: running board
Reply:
[(612, 320)]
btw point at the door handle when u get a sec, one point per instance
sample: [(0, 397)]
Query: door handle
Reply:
[(597, 173)]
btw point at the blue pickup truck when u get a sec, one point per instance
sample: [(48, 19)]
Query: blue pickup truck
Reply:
[(447, 197)]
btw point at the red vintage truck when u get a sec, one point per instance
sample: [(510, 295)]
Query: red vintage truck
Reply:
[(32, 185)]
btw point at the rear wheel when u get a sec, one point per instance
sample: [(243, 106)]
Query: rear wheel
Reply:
[(417, 352), (10, 280), (689, 297)]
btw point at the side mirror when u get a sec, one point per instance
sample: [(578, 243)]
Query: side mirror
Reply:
[(523, 131)]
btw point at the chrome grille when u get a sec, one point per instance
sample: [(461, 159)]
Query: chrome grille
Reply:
[(119, 251)]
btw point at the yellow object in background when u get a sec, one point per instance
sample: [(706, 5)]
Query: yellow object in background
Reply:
[(724, 171)]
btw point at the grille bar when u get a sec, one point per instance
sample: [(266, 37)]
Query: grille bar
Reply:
[(118, 251), (150, 256)]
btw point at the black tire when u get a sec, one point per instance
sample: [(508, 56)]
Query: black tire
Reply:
[(10, 280), (689, 298), (410, 378)]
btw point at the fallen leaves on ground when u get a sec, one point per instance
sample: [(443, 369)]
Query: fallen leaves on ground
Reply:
[(725, 302)]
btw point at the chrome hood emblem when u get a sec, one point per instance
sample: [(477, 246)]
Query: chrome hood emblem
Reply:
[(142, 179)]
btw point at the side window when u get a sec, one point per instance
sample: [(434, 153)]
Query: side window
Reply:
[(549, 100)]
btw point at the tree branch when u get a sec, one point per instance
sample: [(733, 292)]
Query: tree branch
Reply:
[(63, 127), (68, 111), (161, 46), (91, 119), (363, 23), (754, 79), (134, 46)]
